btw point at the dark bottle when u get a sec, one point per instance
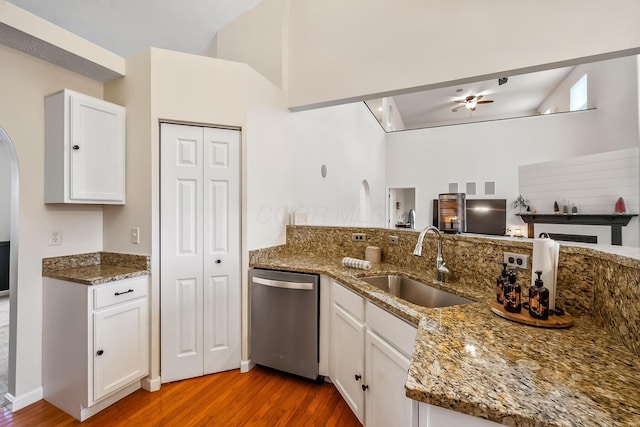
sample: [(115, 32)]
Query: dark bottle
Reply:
[(513, 294), (539, 299), (500, 281)]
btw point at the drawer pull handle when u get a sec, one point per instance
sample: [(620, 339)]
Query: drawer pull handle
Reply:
[(76, 147), (218, 261), (122, 293), (358, 377), (364, 387), (100, 352)]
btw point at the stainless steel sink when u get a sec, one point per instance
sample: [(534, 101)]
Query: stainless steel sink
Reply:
[(415, 292)]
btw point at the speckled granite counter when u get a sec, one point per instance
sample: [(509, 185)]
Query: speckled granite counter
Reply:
[(96, 267), (471, 361)]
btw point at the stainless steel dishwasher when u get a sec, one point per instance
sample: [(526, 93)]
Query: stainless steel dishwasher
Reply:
[(284, 321)]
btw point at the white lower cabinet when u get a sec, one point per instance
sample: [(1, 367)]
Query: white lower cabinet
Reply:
[(385, 374), (95, 343), (347, 361), (369, 360)]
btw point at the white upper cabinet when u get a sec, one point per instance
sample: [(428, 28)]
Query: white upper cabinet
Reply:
[(84, 150)]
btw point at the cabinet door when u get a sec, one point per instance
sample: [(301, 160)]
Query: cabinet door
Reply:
[(346, 366), (119, 346), (386, 375), (96, 150)]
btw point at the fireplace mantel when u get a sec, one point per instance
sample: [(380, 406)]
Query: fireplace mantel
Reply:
[(615, 221)]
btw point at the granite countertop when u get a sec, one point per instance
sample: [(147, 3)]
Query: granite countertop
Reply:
[(96, 267), (469, 360)]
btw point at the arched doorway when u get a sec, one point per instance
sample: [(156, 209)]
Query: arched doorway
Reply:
[(9, 165)]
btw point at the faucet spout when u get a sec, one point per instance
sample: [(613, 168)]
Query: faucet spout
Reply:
[(441, 270)]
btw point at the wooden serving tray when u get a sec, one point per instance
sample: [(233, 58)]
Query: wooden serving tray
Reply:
[(553, 321)]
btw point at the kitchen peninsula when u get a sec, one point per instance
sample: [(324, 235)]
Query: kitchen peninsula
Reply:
[(467, 359)]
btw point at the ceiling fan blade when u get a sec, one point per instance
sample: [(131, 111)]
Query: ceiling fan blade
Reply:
[(457, 108), (488, 101), (479, 97)]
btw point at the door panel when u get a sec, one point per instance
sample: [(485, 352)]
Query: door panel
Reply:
[(181, 246), (200, 250), (222, 248), (96, 129), (120, 346), (187, 306), (386, 375)]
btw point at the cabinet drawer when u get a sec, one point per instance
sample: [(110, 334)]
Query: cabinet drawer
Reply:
[(396, 331), (120, 291), (349, 301)]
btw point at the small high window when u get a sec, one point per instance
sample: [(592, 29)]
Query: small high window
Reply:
[(578, 95)]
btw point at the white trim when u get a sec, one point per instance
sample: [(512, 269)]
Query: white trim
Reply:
[(17, 403), (246, 366), (151, 384)]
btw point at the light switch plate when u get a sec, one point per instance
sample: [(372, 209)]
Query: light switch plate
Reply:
[(135, 235)]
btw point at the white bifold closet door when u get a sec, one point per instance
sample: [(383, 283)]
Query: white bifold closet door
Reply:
[(200, 251)]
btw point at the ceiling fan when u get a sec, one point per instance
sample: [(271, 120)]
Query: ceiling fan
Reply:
[(471, 101)]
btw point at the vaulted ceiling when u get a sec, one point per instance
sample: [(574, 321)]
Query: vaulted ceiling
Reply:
[(126, 27)]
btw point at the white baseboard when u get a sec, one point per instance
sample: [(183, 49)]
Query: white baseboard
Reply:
[(151, 384), (16, 403), (246, 366)]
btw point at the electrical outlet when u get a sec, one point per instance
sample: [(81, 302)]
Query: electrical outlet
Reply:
[(359, 237), (134, 235), (516, 260), (55, 238), (393, 240)]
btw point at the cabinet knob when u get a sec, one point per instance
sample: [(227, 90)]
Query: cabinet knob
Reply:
[(218, 261), (358, 377), (76, 147), (100, 352), (364, 387)]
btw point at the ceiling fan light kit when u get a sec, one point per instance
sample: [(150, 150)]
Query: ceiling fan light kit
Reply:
[(471, 102)]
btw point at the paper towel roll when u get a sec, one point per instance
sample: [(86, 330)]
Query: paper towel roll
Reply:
[(356, 263), (545, 259)]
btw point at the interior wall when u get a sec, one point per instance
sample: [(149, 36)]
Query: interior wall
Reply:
[(429, 159), (256, 38), (409, 43), (134, 93), (612, 88), (349, 141), (592, 184), (24, 82), (5, 195)]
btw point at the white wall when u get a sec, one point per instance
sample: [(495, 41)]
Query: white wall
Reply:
[(429, 159), (592, 183), (340, 50), (5, 195), (277, 149), (257, 38), (349, 141), (24, 81), (613, 89)]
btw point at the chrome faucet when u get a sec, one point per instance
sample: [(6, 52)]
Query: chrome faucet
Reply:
[(441, 270)]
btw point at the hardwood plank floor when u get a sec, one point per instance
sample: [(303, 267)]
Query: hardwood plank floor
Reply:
[(261, 397)]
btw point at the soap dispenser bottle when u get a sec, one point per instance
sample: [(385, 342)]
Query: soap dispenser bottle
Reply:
[(500, 282), (539, 299), (513, 294)]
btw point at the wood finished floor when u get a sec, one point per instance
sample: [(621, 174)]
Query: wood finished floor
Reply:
[(262, 397)]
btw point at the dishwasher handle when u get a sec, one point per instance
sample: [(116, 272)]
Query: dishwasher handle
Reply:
[(283, 284)]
